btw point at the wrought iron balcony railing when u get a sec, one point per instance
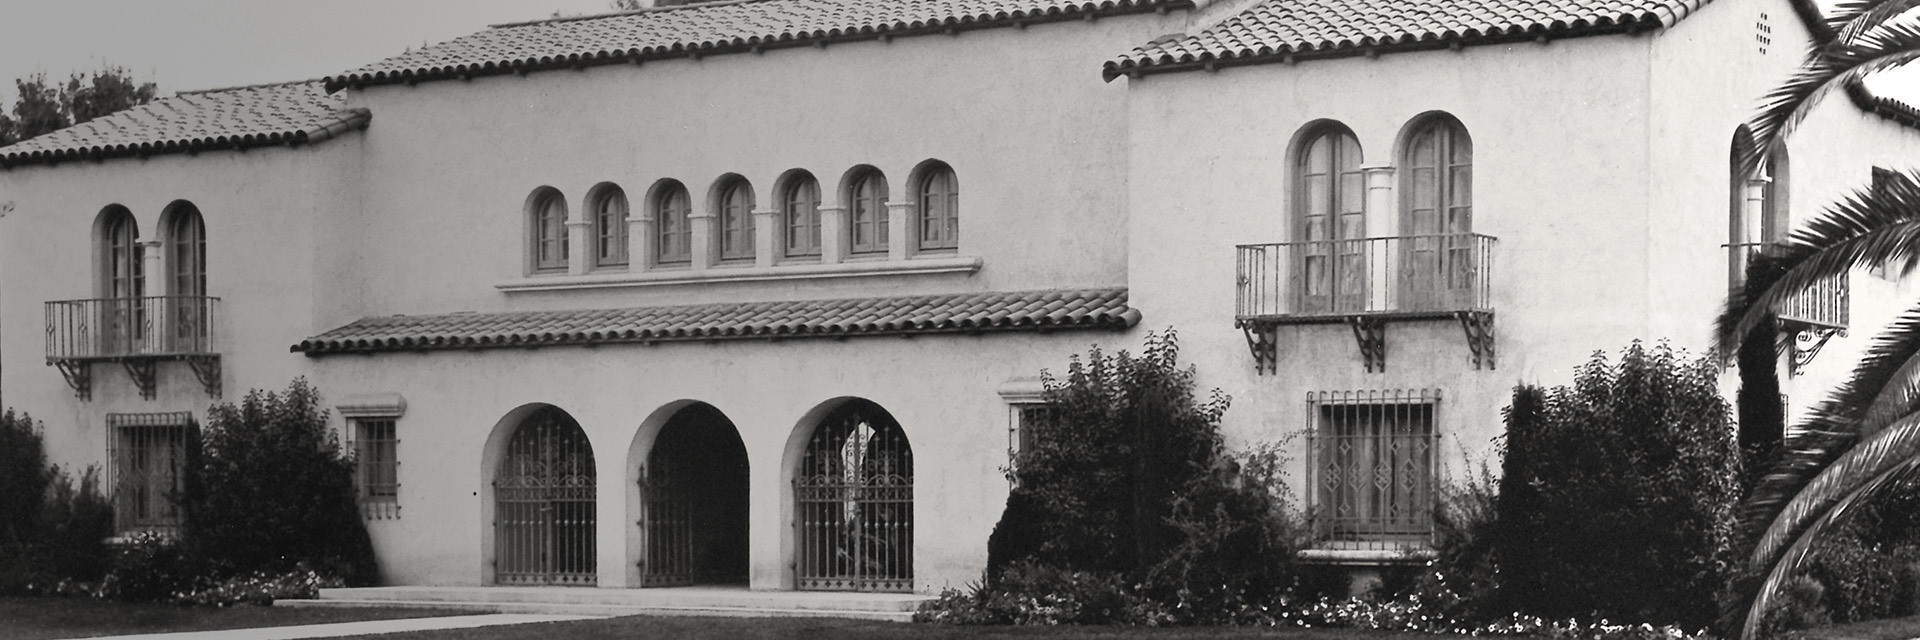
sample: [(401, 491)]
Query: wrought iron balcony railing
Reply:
[(1827, 305), (136, 332), (1411, 275)]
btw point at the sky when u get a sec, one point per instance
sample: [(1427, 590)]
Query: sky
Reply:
[(204, 44)]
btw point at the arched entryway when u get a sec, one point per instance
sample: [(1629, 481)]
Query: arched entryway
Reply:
[(693, 496), (854, 503), (544, 511)]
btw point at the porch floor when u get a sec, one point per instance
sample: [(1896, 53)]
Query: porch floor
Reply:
[(696, 600)]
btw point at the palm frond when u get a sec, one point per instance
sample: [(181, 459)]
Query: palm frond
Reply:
[(1751, 610), (1835, 66), (1878, 393), (1857, 17), (1875, 227)]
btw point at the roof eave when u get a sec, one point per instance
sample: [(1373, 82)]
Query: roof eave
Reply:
[(756, 44), (346, 121)]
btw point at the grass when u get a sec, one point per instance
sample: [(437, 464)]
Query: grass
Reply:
[(48, 618), (695, 628), (1888, 629)]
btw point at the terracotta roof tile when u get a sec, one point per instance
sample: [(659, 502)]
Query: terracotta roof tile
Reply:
[(713, 28), (1276, 29), (291, 113), (1056, 310)]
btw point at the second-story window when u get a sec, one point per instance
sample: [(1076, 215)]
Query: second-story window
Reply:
[(187, 252), (1437, 215), (673, 231), (939, 215), (867, 212), (736, 221), (122, 273), (549, 232), (800, 207), (1329, 207), (610, 227)]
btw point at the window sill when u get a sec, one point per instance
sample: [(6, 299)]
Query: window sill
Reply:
[(727, 273), (1409, 554)]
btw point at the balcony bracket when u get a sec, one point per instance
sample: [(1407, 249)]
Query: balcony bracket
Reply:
[(1807, 341), (141, 370), (1262, 341), (1479, 328), (207, 369), (79, 375), (1371, 333)]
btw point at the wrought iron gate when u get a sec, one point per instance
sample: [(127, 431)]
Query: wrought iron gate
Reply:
[(855, 504), (544, 515), (694, 492)]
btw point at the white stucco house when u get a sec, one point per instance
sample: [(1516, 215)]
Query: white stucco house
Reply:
[(695, 294)]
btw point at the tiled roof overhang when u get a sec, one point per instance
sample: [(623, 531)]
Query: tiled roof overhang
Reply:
[(1294, 30), (282, 114), (1889, 108), (964, 313), (716, 28)]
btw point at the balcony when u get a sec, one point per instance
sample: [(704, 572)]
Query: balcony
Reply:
[(137, 333), (1366, 283), (1813, 316)]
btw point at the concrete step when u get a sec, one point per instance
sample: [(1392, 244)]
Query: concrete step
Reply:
[(600, 610), (722, 601)]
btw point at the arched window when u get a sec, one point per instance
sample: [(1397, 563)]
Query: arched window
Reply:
[(800, 206), (187, 252), (673, 236), (549, 233), (867, 211), (186, 310), (1437, 216), (610, 227), (939, 215), (122, 282), (1329, 220), (736, 221)]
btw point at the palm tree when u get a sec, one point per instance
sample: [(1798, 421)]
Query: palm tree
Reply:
[(1866, 435)]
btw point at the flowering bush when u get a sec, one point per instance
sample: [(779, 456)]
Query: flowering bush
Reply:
[(259, 588), (1030, 594)]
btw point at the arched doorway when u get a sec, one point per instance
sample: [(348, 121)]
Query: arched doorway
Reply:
[(544, 513), (693, 496), (854, 502)]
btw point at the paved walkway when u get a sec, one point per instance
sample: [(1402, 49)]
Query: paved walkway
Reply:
[(354, 628)]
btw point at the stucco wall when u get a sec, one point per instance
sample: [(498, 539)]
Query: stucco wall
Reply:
[(1035, 139), (1559, 177), (263, 210)]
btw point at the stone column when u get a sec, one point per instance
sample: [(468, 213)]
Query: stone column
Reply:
[(833, 234), (640, 248), (901, 230), (580, 248), (704, 248), (153, 268), (768, 229), (1383, 213)]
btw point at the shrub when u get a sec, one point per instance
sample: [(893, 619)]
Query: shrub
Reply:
[(1127, 475), (149, 566), (1463, 581), (273, 492), (1027, 593), (1802, 605), (76, 522), (1618, 495), (23, 480)]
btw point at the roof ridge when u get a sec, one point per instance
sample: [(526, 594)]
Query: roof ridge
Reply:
[(616, 14), (262, 85)]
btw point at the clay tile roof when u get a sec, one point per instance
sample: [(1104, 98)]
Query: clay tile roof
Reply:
[(291, 113), (1889, 107), (711, 29), (1277, 29), (1057, 310)]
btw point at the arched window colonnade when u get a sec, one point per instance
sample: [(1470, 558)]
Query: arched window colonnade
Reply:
[(848, 470), (800, 218)]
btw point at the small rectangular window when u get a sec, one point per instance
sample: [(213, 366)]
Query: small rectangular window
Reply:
[(147, 463), (1371, 463), (377, 467)]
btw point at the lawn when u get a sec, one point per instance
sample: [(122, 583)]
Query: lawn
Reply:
[(48, 618), (1889, 629), (693, 628)]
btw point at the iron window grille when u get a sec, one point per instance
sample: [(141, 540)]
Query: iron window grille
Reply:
[(1372, 468), (147, 462), (376, 445)]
